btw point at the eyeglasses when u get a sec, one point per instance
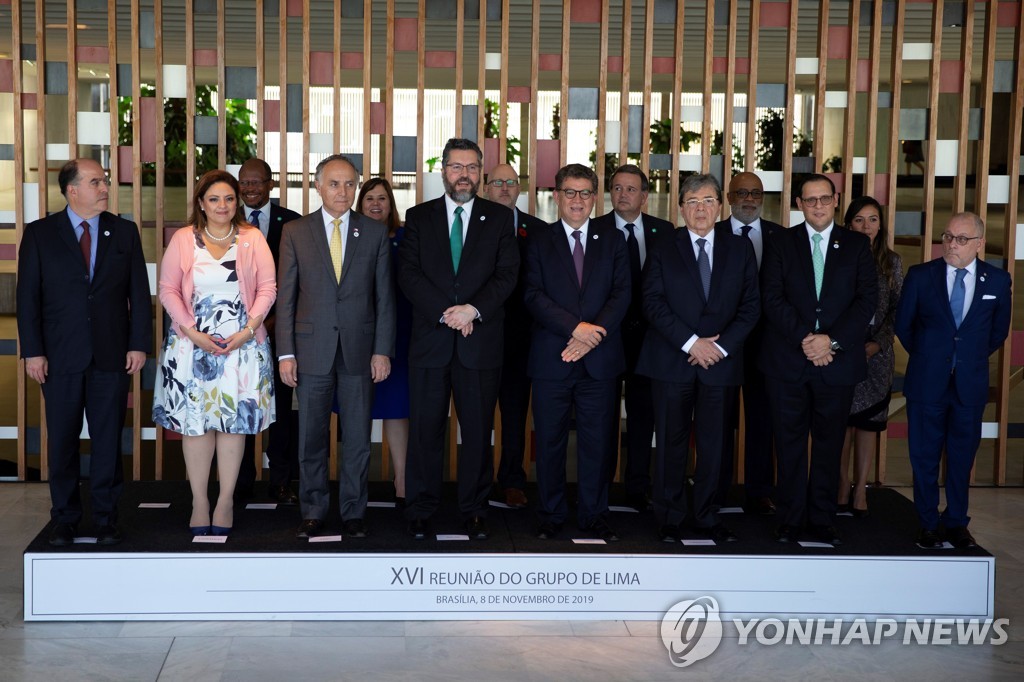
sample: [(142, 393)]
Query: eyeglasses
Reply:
[(960, 239), (252, 183), (707, 202), (498, 184), (824, 200), (472, 168), (583, 193), (751, 193)]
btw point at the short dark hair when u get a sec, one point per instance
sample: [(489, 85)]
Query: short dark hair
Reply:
[(697, 181), (330, 159), (263, 165), (817, 177), (633, 169), (208, 180), (461, 143), (576, 171), (68, 175)]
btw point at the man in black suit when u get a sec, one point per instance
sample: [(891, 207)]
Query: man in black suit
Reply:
[(458, 264), (746, 199), (514, 392), (629, 187), (701, 298), (578, 291), (818, 294), (282, 444), (85, 322)]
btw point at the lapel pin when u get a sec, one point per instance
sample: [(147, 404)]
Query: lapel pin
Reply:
[(653, 230), (835, 245), (106, 233), (483, 217), (355, 233), (983, 278), (594, 237), (245, 244)]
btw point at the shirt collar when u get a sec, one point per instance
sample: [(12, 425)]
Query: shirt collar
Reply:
[(710, 237), (621, 222), (971, 268), (329, 219), (826, 234), (76, 219), (450, 205), (264, 210), (738, 224), (569, 230)]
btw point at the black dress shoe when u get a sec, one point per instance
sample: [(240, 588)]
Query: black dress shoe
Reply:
[(419, 528), (548, 530), (283, 495), (354, 528), (719, 533), (476, 528), (960, 537), (62, 535), (309, 528), (639, 501), (601, 529), (929, 539), (786, 533), (760, 506), (108, 535), (670, 533), (826, 534)]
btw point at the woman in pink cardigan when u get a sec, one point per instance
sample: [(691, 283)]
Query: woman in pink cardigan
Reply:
[(216, 381)]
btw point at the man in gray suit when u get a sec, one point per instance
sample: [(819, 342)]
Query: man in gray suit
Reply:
[(335, 331)]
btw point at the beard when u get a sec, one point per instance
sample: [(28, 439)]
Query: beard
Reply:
[(746, 216), (460, 196)]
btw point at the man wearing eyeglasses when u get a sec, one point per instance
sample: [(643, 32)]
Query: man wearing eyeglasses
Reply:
[(701, 297), (746, 200), (953, 314), (514, 392), (85, 324), (578, 291), (818, 294), (629, 187), (458, 264), (282, 444)]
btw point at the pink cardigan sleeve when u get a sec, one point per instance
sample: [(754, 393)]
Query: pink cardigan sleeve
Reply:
[(172, 275), (265, 279)]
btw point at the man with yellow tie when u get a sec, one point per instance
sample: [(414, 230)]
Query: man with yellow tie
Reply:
[(335, 332)]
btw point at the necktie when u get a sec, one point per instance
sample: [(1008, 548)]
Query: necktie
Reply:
[(577, 255), (455, 237), (746, 230), (254, 218), (634, 261), (704, 267), (818, 260), (336, 248), (86, 243), (956, 298)]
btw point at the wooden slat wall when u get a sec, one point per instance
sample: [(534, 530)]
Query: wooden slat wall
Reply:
[(982, 18)]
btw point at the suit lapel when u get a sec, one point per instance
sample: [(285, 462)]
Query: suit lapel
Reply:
[(722, 250), (835, 247), (442, 234), (352, 243), (685, 246), (318, 232), (981, 287), (104, 235), (939, 283), (66, 232), (563, 253), (592, 251), (803, 258)]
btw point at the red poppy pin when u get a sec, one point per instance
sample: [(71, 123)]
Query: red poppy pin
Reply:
[(522, 231)]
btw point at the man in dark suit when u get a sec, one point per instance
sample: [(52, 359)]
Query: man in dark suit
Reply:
[(701, 298), (746, 199), (954, 312), (282, 444), (514, 392), (818, 294), (85, 322), (335, 332), (629, 187), (457, 266), (578, 291)]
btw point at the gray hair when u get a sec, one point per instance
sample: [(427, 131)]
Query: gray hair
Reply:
[(700, 181), (334, 157)]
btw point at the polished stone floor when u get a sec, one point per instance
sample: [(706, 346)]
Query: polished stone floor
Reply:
[(486, 651)]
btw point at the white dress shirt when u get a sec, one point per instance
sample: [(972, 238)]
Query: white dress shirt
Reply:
[(756, 236), (709, 248), (970, 282), (621, 223)]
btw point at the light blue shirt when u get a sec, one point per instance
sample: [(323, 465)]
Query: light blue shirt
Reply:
[(94, 234)]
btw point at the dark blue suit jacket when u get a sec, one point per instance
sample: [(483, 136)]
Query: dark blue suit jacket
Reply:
[(924, 325), (849, 294), (675, 307), (558, 304)]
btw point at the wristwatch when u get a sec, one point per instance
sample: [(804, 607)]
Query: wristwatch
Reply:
[(834, 345)]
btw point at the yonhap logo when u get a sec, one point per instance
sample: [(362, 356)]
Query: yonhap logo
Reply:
[(691, 631)]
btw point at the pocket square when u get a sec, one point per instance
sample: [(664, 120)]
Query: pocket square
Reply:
[(988, 297)]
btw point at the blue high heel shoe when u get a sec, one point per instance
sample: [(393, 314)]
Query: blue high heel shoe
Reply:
[(220, 530), (199, 530)]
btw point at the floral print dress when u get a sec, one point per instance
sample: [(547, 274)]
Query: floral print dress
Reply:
[(196, 391)]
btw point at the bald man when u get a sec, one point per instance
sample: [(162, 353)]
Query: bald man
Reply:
[(514, 392), (746, 200)]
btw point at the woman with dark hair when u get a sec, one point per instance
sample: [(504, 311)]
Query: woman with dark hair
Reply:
[(216, 381), (870, 410), (391, 399)]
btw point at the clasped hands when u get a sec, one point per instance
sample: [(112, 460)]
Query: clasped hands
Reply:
[(460, 318), (705, 352), (585, 338), (818, 349)]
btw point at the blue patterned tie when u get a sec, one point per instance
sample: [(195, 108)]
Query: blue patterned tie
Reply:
[(254, 219), (704, 267)]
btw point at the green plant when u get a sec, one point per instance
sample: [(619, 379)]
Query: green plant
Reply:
[(556, 122), (432, 162), (768, 149), (717, 141), (661, 140), (512, 149), (239, 133), (833, 164)]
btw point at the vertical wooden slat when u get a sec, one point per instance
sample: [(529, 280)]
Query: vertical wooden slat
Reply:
[(336, 87), (602, 105), (481, 73), (158, 309), (820, 83), (627, 65), (282, 82), (896, 86), (850, 114), (421, 50), (190, 96), (137, 216), (787, 125), (306, 47), (387, 143), (506, 28), (645, 147), (19, 213), (966, 59), (728, 118), (114, 189), (677, 104), (563, 106), (261, 80), (709, 76), (872, 107), (367, 84), (43, 178), (460, 46), (985, 137), (72, 63), (534, 104), (222, 118), (932, 132), (750, 138)]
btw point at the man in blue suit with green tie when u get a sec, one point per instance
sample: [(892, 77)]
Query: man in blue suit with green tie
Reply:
[(953, 314)]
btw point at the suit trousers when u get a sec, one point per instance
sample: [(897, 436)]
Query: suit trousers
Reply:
[(758, 443), (514, 400), (683, 408), (355, 400), (281, 441), (103, 396), (595, 403), (798, 409), (639, 418), (931, 425), (430, 392)]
